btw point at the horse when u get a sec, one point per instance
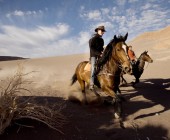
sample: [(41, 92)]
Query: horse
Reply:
[(109, 68), (138, 67)]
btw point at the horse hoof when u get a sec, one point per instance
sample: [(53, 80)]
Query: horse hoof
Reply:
[(117, 116)]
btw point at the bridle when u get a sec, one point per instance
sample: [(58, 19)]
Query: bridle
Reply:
[(120, 62)]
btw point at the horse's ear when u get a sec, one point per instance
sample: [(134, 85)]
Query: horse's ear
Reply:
[(125, 37), (115, 37)]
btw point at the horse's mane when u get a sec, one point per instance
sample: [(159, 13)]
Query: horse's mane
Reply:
[(108, 51), (106, 54), (145, 52)]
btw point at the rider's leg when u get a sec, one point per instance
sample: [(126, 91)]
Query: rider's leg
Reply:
[(93, 59)]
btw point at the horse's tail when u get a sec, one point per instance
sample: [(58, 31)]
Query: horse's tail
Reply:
[(73, 79)]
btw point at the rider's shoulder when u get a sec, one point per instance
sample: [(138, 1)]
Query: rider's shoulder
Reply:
[(95, 37)]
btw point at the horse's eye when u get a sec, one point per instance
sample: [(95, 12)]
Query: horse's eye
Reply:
[(118, 49)]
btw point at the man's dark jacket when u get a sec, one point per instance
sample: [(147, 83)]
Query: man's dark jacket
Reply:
[(96, 44)]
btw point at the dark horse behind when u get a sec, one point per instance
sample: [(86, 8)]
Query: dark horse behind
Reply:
[(110, 66), (138, 67)]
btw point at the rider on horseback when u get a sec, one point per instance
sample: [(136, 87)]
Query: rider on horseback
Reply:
[(96, 44), (131, 55)]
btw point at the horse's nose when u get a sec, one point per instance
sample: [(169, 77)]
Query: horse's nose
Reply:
[(151, 61)]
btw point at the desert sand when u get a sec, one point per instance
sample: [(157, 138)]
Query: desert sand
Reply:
[(145, 113)]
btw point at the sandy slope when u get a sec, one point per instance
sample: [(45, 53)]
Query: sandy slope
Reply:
[(146, 113), (156, 42)]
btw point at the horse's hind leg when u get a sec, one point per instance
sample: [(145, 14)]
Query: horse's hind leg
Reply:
[(82, 85)]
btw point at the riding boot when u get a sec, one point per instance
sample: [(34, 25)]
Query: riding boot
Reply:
[(91, 86)]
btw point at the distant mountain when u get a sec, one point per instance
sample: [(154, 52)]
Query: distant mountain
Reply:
[(9, 58), (156, 40)]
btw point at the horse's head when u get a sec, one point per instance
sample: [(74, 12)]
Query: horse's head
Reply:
[(119, 53), (145, 57), (115, 51)]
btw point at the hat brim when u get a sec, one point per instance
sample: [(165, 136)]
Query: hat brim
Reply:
[(99, 29)]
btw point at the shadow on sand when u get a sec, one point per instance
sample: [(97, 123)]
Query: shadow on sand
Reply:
[(84, 123), (155, 90)]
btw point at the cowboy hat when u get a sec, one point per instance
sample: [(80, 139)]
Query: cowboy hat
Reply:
[(100, 28)]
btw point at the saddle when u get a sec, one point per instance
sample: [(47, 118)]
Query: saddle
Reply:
[(88, 68)]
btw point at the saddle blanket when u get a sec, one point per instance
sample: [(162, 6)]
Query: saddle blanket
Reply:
[(87, 67)]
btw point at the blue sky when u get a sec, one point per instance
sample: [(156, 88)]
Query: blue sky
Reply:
[(43, 28)]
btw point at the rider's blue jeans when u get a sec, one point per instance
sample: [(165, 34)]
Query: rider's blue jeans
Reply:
[(92, 60)]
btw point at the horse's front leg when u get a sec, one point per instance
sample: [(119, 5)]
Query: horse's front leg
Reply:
[(116, 101), (119, 94), (97, 94), (123, 81), (137, 80)]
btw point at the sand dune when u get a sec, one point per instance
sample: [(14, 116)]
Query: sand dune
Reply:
[(156, 42)]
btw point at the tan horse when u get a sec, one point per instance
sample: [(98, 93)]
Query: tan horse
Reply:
[(110, 65), (138, 68)]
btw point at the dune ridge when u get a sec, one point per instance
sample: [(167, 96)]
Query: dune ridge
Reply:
[(155, 40)]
